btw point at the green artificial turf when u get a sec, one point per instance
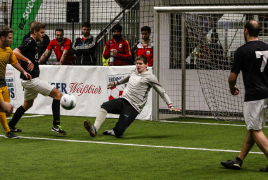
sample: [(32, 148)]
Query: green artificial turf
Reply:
[(161, 157)]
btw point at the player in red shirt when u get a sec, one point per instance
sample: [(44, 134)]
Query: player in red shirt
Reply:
[(62, 48), (119, 47), (146, 47)]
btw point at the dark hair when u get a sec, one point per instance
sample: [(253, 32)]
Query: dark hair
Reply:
[(146, 28), (4, 31), (59, 29), (142, 58), (117, 27), (253, 28), (86, 24), (36, 26)]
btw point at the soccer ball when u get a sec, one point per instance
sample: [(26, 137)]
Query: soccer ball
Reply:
[(68, 101), (116, 92)]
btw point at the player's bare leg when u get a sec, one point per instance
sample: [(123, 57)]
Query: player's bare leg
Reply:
[(238, 161), (55, 94), (262, 143), (248, 144)]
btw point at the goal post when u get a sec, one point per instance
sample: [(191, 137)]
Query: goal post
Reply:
[(193, 55)]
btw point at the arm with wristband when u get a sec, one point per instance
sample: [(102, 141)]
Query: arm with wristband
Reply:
[(116, 83), (161, 91)]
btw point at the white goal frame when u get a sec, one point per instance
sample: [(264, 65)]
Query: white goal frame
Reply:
[(180, 10)]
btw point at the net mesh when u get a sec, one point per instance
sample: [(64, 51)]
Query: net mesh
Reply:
[(211, 40)]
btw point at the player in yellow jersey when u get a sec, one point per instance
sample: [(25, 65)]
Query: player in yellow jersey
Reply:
[(7, 55)]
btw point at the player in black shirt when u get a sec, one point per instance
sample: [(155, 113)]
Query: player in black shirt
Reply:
[(28, 54), (251, 59)]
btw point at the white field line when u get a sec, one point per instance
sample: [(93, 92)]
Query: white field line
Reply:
[(141, 145), (216, 124), (136, 145), (29, 116)]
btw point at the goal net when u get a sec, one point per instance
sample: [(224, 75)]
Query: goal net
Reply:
[(193, 56)]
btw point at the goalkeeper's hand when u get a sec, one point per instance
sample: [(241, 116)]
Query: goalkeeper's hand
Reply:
[(112, 84), (172, 108)]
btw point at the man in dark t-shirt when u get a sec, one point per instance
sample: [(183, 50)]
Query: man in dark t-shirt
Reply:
[(251, 59), (27, 53)]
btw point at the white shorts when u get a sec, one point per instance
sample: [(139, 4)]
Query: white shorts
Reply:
[(35, 86), (255, 114)]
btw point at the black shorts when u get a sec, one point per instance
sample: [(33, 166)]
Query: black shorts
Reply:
[(126, 111)]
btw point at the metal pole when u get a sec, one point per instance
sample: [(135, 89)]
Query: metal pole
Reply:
[(127, 7), (209, 9), (155, 102), (86, 11), (183, 65), (72, 30)]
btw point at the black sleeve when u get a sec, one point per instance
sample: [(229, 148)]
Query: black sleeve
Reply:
[(74, 50), (237, 65), (46, 41), (25, 45)]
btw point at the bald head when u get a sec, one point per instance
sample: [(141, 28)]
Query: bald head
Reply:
[(253, 28)]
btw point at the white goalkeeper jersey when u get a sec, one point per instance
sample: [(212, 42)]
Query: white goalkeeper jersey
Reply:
[(138, 87)]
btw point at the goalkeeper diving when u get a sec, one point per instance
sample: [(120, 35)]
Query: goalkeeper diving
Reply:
[(133, 100)]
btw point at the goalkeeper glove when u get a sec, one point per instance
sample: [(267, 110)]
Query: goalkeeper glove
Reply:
[(112, 84), (172, 108)]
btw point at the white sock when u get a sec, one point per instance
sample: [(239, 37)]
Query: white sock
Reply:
[(100, 118)]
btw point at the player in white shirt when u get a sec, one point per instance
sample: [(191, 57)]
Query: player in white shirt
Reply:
[(134, 98)]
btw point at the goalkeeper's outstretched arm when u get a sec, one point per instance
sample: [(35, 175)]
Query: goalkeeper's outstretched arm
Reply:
[(161, 91), (115, 83)]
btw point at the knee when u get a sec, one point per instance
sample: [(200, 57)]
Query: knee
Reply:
[(27, 105), (58, 95), (103, 106)]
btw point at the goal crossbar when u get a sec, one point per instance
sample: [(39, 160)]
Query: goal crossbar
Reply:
[(210, 9)]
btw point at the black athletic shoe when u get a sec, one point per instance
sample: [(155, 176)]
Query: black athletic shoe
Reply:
[(13, 129), (11, 135), (108, 132), (232, 164), (264, 169), (58, 129), (91, 129)]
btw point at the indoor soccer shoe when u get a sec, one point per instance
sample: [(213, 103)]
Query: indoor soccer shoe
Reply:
[(11, 135), (58, 129), (264, 169), (13, 129), (232, 164), (108, 132), (91, 129)]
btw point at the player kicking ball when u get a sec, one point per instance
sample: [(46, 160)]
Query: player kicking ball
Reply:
[(132, 102), (28, 54)]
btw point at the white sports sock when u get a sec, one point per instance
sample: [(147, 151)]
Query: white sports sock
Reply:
[(100, 118)]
